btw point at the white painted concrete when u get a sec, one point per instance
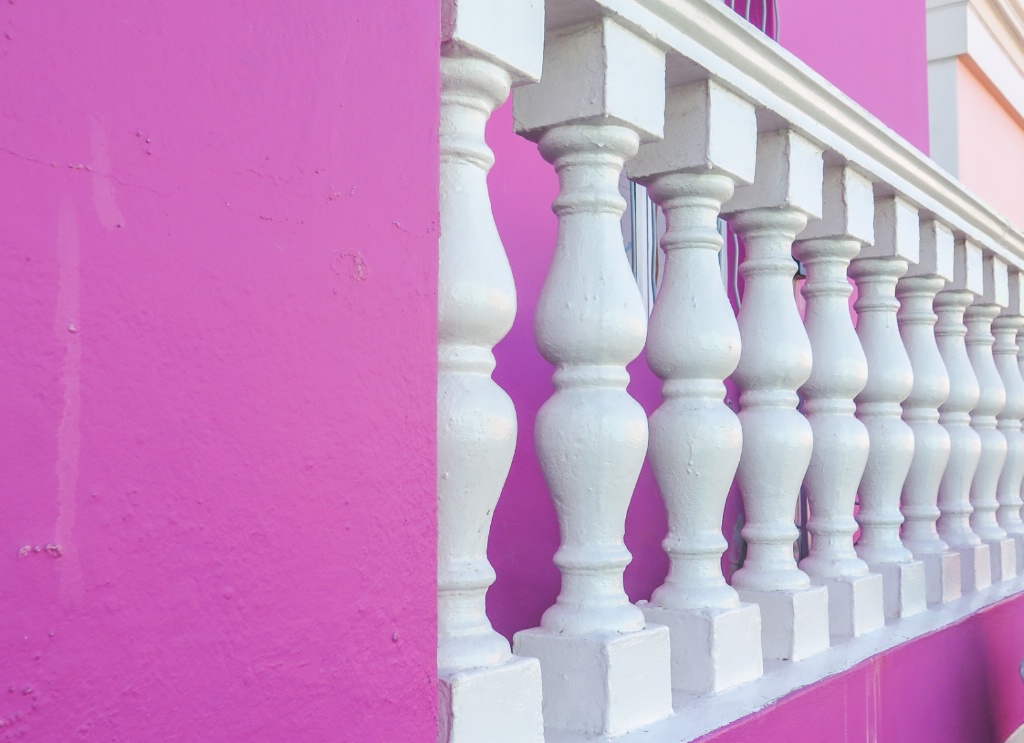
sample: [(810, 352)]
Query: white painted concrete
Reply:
[(775, 362), (916, 292), (838, 374), (693, 345), (484, 693), (604, 669), (890, 381)]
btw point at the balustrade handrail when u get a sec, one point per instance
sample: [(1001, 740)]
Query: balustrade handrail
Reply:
[(706, 39)]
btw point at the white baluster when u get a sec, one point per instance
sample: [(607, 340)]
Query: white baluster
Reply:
[(978, 318), (916, 292), (1020, 366), (775, 361), (604, 670), (1005, 328), (693, 345), (964, 445), (890, 380), (838, 374), (476, 421)]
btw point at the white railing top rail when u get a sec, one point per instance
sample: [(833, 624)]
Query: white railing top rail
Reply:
[(704, 38)]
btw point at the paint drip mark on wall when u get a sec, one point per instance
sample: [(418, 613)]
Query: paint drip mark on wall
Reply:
[(104, 198), (69, 433)]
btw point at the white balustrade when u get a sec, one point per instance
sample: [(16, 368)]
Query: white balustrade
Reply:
[(838, 373), (775, 360), (605, 671), (965, 445), (992, 398), (890, 381), (486, 47), (916, 292), (693, 345), (1005, 329)]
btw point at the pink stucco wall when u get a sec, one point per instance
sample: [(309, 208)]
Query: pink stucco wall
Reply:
[(875, 51), (991, 143), (218, 252)]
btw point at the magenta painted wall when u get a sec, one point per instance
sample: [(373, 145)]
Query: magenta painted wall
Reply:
[(960, 685), (875, 51), (218, 252)]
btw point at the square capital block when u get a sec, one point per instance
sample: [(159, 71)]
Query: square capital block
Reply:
[(936, 255), (848, 208), (509, 32), (996, 281), (968, 267), (1016, 291), (708, 128), (788, 174), (897, 230), (596, 73)]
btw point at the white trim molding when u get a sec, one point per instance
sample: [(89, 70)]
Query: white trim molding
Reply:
[(989, 36)]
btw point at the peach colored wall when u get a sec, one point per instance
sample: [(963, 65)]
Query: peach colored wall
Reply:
[(218, 272), (991, 142)]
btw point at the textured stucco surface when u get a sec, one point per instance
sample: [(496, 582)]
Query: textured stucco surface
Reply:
[(218, 255)]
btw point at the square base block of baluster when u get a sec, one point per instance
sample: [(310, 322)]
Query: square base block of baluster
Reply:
[(712, 649), (605, 684), (794, 623), (975, 568), (1018, 540), (1004, 559), (906, 588), (941, 577), (500, 704), (854, 604)]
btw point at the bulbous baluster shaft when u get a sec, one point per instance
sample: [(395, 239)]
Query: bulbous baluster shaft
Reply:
[(954, 524), (965, 447), (978, 319), (921, 413), (695, 438), (693, 345), (591, 436), (775, 361), (1005, 350), (476, 420), (917, 318), (890, 380)]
